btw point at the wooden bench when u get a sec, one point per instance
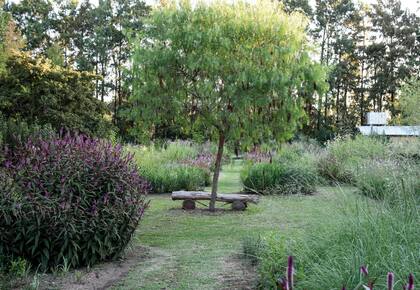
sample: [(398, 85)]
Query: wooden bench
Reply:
[(237, 200)]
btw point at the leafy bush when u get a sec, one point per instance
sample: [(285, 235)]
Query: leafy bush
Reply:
[(382, 236), (36, 91), (71, 200)]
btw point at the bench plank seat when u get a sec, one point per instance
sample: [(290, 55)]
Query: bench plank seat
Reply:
[(202, 195)]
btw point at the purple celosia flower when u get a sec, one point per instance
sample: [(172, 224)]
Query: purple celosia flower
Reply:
[(290, 272), (410, 285), (390, 281)]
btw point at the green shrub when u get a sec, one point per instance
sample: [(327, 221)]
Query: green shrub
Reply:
[(374, 179), (37, 91), (71, 200)]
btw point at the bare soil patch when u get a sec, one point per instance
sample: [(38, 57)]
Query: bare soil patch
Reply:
[(101, 276)]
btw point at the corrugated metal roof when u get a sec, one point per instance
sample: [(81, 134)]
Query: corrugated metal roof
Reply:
[(390, 130)]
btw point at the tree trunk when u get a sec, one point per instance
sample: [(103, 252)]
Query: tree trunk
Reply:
[(362, 93), (337, 103), (217, 171)]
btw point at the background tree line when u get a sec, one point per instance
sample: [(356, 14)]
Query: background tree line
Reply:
[(370, 50)]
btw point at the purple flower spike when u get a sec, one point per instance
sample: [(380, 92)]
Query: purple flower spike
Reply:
[(344, 288), (390, 281), (364, 270), (410, 285), (290, 272)]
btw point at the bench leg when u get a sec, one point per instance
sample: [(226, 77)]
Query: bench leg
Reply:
[(239, 205), (188, 204)]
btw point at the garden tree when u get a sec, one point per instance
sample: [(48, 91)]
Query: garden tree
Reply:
[(395, 51), (79, 35), (331, 18), (236, 69), (65, 25), (410, 102), (360, 30), (297, 5), (36, 91), (34, 18), (127, 18), (83, 37)]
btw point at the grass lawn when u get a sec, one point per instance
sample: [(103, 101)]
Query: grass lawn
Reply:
[(201, 250)]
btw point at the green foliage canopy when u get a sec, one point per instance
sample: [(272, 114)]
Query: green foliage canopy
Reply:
[(36, 91), (231, 69)]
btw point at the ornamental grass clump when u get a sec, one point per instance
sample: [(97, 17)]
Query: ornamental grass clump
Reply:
[(69, 200)]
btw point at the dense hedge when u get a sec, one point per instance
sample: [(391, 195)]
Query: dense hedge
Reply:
[(70, 200)]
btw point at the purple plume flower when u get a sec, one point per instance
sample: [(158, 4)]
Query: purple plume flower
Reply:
[(290, 273), (410, 285), (390, 281)]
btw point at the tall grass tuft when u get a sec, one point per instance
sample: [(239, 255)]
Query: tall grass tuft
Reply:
[(291, 171), (179, 165), (383, 235)]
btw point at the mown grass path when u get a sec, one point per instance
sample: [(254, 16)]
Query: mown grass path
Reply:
[(202, 250)]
